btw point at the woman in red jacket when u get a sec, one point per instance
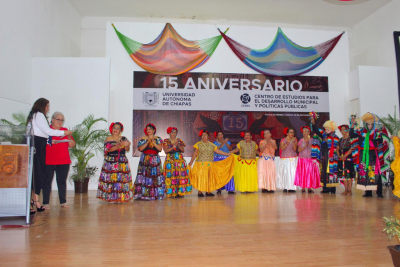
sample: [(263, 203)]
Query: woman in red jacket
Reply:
[(58, 161)]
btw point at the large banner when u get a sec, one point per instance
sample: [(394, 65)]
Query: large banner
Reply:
[(229, 102), (230, 92)]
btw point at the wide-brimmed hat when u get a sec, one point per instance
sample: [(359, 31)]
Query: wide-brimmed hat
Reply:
[(330, 125)]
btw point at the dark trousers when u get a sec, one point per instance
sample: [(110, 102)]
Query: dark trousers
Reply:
[(378, 179), (61, 176), (324, 175), (39, 164)]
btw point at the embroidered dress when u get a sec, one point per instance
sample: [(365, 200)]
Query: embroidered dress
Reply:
[(266, 168), (246, 178), (396, 167), (287, 167), (150, 181), (115, 182), (207, 175), (346, 167), (176, 172), (307, 172), (230, 186)]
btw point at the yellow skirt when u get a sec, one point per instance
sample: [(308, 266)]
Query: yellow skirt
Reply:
[(209, 176), (246, 178)]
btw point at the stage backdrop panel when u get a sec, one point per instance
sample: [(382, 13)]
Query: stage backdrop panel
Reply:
[(76, 87), (335, 68)]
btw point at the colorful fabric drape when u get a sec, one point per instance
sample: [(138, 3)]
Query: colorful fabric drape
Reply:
[(170, 53), (283, 57)]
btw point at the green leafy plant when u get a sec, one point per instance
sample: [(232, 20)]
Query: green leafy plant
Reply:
[(89, 141), (392, 227), (13, 132), (19, 117)]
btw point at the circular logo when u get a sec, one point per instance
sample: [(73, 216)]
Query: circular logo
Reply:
[(245, 98)]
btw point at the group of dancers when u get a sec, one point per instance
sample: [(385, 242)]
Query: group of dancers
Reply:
[(319, 159)]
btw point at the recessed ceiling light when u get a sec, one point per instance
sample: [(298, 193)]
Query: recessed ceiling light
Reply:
[(345, 2)]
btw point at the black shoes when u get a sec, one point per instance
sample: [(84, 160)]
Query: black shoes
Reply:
[(380, 196), (219, 192), (210, 195), (324, 192), (284, 190), (292, 191), (200, 195), (231, 192)]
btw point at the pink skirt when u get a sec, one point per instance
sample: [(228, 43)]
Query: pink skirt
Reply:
[(307, 174), (266, 173)]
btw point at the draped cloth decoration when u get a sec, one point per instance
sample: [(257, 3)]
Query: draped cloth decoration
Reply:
[(283, 57), (170, 53)]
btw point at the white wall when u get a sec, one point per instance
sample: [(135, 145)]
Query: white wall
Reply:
[(93, 39), (76, 87), (372, 41), (32, 28), (336, 67)]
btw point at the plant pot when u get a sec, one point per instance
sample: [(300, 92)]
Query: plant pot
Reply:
[(81, 187), (395, 252)]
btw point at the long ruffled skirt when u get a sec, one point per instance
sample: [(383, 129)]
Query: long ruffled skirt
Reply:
[(266, 173), (209, 176), (115, 182), (150, 181), (307, 174), (286, 173), (230, 186), (176, 175), (246, 179)]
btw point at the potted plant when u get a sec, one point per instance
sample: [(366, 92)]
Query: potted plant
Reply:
[(392, 228), (392, 125), (89, 141)]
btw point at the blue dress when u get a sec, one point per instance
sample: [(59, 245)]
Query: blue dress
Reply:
[(217, 157)]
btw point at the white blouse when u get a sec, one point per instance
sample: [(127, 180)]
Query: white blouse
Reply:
[(41, 126)]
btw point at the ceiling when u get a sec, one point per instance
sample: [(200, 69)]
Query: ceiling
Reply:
[(301, 12)]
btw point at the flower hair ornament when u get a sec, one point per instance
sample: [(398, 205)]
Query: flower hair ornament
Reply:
[(151, 126), (202, 131), (117, 123), (170, 129), (262, 135), (216, 133), (286, 130), (242, 134), (305, 127), (344, 127)]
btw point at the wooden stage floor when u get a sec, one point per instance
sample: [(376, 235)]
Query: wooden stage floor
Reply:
[(229, 230)]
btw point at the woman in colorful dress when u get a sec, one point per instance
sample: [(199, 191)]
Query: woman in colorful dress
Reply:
[(266, 168), (345, 164), (307, 172), (246, 178), (150, 181), (115, 183), (328, 155), (175, 170), (370, 158), (207, 175), (288, 162), (395, 165), (225, 146)]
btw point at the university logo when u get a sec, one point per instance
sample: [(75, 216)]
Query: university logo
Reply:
[(150, 98), (245, 98)]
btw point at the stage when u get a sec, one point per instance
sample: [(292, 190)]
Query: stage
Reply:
[(226, 230)]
